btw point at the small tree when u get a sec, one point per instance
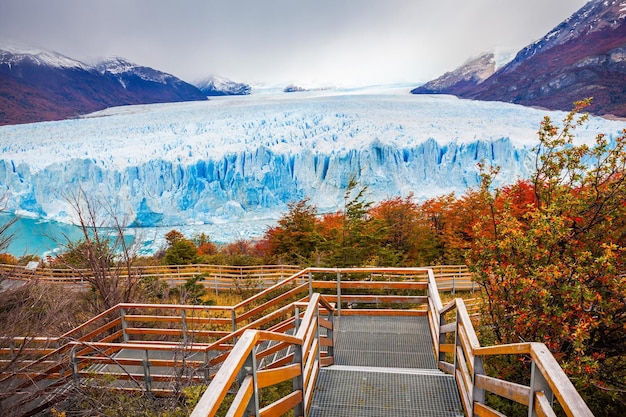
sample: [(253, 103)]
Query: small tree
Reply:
[(552, 264), (104, 257), (296, 237), (180, 251)]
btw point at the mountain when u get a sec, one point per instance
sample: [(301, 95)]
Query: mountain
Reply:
[(218, 86), (148, 85), (464, 78), (583, 56), (229, 167), (37, 85)]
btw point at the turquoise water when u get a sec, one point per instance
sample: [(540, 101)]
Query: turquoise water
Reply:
[(36, 237)]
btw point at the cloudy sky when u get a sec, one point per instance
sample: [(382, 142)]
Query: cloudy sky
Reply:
[(314, 42)]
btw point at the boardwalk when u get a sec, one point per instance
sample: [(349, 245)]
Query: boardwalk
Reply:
[(384, 366)]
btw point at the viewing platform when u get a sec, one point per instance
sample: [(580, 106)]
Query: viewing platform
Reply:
[(327, 341)]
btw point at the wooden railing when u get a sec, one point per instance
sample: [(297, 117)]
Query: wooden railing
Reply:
[(217, 278), (210, 335), (465, 359), (301, 366)]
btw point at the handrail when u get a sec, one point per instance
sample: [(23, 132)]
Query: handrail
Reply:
[(241, 364), (220, 277), (263, 321), (548, 381)]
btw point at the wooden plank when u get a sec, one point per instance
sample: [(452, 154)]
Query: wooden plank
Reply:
[(310, 387), (446, 367), (327, 361), (269, 377), (286, 360), (213, 397), (464, 318), (509, 390), (271, 303), (372, 285), (327, 324), (464, 395), (326, 341), (242, 398), (542, 407), (510, 349), (446, 347), (272, 350), (467, 347), (282, 406), (561, 386), (466, 377), (447, 328), (311, 360), (481, 410)]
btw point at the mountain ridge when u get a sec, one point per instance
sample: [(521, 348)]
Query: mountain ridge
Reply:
[(38, 85), (584, 56)]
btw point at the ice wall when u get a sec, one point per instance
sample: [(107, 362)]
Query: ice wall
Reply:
[(216, 162)]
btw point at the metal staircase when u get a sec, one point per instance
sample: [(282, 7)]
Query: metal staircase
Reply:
[(384, 366)]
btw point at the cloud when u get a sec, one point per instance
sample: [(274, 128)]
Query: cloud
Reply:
[(324, 41)]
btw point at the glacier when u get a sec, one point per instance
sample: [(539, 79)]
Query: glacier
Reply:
[(230, 166)]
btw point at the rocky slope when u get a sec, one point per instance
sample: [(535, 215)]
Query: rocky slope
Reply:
[(584, 56)]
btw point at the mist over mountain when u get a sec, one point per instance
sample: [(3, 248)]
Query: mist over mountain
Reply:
[(466, 77), (37, 85), (219, 86), (584, 56)]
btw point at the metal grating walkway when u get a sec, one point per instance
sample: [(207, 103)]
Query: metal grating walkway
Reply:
[(385, 366), (384, 341)]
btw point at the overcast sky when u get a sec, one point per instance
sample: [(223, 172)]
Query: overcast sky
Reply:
[(315, 42)]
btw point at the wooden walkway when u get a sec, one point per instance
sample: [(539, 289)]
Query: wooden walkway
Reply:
[(384, 366)]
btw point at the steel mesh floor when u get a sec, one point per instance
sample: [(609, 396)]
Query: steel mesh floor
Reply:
[(384, 341), (376, 393)]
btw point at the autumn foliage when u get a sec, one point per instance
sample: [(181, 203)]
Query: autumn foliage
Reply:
[(550, 256)]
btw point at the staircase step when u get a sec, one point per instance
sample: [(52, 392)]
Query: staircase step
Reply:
[(366, 392)]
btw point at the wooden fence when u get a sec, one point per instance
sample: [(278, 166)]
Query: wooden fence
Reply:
[(219, 341), (217, 278)]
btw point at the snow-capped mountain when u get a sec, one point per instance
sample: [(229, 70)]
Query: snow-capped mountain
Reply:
[(147, 84), (583, 56), (233, 164), (219, 86), (38, 85), (14, 55), (473, 72)]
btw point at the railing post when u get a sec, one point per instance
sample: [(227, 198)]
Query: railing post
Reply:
[(74, 364), (442, 338), (124, 324), (478, 394), (298, 382), (537, 383), (453, 284), (310, 284), (338, 294), (233, 316), (296, 319), (183, 315), (330, 334), (207, 366), (249, 368), (146, 371), (317, 337)]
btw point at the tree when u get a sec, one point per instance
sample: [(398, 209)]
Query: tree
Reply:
[(105, 256), (296, 238), (358, 241), (180, 251), (552, 264), (407, 233)]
